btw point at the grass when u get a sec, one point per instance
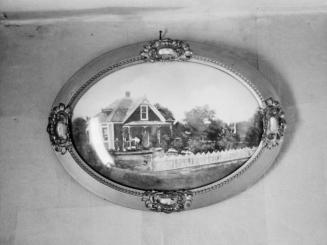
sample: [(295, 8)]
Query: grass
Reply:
[(185, 178)]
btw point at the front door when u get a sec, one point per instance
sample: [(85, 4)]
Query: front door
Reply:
[(146, 138)]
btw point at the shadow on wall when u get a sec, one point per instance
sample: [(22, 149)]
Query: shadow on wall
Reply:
[(287, 100), (277, 81), (68, 13)]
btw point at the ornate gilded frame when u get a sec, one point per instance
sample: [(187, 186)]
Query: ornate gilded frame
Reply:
[(166, 50)]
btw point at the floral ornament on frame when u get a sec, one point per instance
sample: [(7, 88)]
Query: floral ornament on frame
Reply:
[(167, 201), (58, 128), (274, 123), (166, 50)]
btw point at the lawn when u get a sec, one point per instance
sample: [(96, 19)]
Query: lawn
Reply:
[(185, 178)]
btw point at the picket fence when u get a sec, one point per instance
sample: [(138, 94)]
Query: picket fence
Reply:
[(182, 161)]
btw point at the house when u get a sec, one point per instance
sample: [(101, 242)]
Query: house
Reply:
[(134, 125)]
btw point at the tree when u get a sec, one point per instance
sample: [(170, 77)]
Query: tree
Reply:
[(178, 144), (254, 133), (165, 112), (215, 130), (180, 136), (228, 140), (198, 119), (165, 142), (196, 145)]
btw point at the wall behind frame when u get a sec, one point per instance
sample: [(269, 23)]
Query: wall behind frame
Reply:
[(41, 204)]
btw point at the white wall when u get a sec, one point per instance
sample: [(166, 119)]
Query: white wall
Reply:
[(41, 204), (221, 6)]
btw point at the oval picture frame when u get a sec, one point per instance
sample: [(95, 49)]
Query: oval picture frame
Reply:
[(161, 52)]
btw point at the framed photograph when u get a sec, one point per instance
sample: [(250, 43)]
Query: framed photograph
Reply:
[(166, 125)]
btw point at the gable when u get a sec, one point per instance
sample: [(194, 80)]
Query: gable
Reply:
[(136, 115), (136, 109)]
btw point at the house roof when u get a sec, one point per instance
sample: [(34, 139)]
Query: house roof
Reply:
[(118, 110), (121, 109)]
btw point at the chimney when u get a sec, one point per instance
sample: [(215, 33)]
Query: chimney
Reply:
[(127, 94)]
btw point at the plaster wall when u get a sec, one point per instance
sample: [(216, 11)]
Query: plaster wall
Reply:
[(226, 6), (41, 204)]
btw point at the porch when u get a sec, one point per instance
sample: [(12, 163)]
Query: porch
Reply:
[(143, 135)]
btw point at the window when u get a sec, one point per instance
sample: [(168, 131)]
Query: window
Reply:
[(105, 133), (144, 112)]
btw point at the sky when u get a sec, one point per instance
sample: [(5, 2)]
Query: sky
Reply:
[(179, 86)]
